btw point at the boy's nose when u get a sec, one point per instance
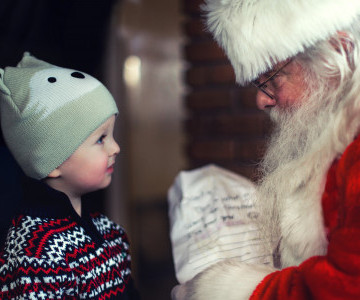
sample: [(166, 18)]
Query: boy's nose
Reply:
[(263, 101), (114, 149)]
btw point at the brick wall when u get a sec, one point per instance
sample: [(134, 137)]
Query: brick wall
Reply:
[(223, 125)]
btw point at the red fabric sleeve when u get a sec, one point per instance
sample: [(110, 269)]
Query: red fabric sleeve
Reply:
[(336, 275)]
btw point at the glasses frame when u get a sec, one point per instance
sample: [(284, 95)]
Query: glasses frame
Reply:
[(262, 85)]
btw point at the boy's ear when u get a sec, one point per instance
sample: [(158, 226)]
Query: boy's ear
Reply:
[(54, 174)]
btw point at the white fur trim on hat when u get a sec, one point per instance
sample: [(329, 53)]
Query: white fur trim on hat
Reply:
[(256, 34)]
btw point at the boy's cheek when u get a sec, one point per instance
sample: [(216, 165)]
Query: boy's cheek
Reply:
[(98, 171)]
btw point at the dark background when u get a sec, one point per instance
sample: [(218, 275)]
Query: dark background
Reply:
[(68, 33)]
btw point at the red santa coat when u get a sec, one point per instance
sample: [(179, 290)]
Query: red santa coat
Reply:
[(337, 274)]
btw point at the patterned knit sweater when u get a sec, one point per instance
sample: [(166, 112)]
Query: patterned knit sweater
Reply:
[(52, 253)]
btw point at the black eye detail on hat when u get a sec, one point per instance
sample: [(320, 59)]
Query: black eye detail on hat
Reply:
[(77, 75), (52, 79)]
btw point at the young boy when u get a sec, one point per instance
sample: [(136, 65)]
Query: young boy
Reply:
[(58, 123)]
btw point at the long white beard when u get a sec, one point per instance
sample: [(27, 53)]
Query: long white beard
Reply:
[(293, 176)]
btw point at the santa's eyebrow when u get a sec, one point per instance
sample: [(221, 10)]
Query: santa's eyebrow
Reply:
[(268, 73), (273, 71)]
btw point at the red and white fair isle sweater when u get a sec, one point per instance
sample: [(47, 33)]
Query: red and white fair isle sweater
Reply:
[(52, 253)]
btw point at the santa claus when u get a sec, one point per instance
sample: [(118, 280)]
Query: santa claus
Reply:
[(304, 58)]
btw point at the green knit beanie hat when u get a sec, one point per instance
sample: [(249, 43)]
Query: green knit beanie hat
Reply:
[(47, 112)]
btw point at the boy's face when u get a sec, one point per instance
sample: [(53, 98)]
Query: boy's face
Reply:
[(90, 167)]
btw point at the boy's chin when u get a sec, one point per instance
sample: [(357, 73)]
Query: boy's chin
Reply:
[(107, 181), (100, 186)]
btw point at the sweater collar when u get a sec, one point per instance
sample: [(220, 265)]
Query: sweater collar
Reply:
[(41, 200)]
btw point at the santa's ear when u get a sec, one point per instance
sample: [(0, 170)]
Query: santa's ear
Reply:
[(342, 42), (54, 174)]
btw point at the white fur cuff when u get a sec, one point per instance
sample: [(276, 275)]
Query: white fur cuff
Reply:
[(230, 280)]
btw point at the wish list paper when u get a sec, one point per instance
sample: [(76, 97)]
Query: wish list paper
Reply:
[(212, 218)]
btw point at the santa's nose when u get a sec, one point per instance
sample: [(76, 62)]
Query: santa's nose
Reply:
[(263, 101)]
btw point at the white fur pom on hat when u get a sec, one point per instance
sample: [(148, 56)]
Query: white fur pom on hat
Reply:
[(256, 34)]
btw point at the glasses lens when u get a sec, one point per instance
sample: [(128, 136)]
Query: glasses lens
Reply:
[(256, 82), (262, 87)]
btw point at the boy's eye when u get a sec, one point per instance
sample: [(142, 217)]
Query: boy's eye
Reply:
[(101, 139)]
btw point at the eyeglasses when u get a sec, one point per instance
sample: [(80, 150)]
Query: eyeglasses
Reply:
[(262, 86)]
